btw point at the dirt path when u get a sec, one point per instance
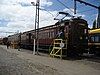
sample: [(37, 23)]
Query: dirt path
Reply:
[(44, 65), (11, 64)]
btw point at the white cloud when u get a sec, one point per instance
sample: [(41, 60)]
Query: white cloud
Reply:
[(71, 12), (42, 2), (21, 17), (46, 3)]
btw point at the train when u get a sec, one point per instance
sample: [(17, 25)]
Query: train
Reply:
[(4, 40), (1, 42), (94, 41), (75, 32)]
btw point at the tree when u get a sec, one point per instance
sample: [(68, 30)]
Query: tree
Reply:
[(94, 25)]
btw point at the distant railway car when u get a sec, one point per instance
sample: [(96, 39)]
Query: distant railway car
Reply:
[(75, 32), (26, 39), (46, 36), (94, 41), (1, 41), (13, 38), (5, 40)]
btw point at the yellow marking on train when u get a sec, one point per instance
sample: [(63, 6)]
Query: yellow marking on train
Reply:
[(93, 43), (94, 31)]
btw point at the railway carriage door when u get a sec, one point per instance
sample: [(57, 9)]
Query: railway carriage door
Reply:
[(29, 37)]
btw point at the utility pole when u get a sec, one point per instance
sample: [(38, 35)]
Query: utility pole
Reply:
[(81, 1), (20, 37), (74, 6), (37, 24), (98, 18)]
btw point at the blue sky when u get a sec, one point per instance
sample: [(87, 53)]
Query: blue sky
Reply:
[(19, 15), (89, 12)]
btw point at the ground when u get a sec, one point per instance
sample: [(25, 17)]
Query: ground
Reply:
[(23, 62)]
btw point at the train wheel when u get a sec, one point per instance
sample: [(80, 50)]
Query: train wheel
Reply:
[(97, 52)]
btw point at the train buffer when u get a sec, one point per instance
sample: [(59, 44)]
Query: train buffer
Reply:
[(59, 48)]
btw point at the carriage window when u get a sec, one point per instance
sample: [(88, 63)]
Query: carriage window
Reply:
[(47, 34), (92, 39), (96, 39), (85, 30), (51, 34), (67, 23), (66, 29), (86, 37)]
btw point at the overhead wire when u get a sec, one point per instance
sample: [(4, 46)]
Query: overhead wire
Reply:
[(65, 6), (72, 10), (93, 1), (85, 10), (88, 9), (47, 11)]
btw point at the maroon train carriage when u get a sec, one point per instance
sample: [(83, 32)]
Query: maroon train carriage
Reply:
[(75, 30), (46, 36), (1, 41)]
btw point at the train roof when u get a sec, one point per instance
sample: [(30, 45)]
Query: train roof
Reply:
[(94, 31), (71, 20)]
